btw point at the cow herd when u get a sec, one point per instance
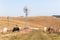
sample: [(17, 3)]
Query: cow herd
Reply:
[(45, 29), (5, 29)]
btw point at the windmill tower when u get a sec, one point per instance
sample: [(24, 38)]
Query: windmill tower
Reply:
[(26, 17)]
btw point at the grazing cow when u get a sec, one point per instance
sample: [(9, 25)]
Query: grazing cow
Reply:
[(50, 30), (5, 29), (45, 29), (15, 29)]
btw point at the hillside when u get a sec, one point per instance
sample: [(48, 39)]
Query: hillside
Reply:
[(34, 21)]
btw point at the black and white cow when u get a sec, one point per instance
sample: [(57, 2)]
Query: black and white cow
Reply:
[(15, 29)]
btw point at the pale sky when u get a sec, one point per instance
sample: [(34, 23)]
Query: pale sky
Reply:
[(36, 7)]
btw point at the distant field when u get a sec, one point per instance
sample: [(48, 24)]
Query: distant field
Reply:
[(34, 21)]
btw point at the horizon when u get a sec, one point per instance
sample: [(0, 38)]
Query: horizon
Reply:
[(29, 16)]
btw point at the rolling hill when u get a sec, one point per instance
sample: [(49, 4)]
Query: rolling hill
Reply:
[(33, 21)]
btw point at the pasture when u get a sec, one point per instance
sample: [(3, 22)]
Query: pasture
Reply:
[(36, 21), (32, 35)]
